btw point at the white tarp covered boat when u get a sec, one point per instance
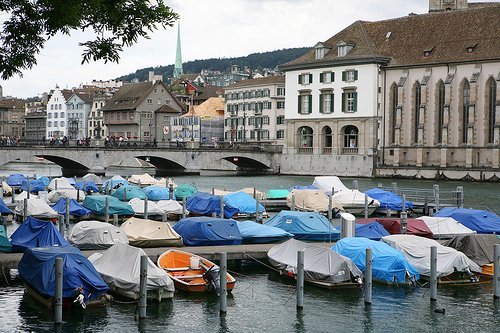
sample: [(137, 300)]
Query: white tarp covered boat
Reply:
[(148, 233), (24, 195), (310, 200), (95, 235), (326, 183), (36, 208), (7, 190), (60, 183), (417, 251), (120, 267), (144, 179), (138, 207), (322, 266), (170, 207), (353, 201), (445, 227), (92, 177), (71, 193)]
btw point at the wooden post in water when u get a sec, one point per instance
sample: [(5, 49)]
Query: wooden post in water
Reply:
[(257, 213), (1, 189), (435, 190), (77, 195), (146, 208), (170, 191), (58, 291), (29, 188), (55, 184), (25, 208), (293, 201), (300, 279), (460, 196), (143, 287), (496, 272), (354, 184), (403, 223), (67, 212), (223, 282), (433, 282), (330, 207), (403, 204), (394, 187), (84, 186), (115, 220), (184, 207), (366, 206), (213, 191), (61, 224), (379, 185), (139, 182), (368, 276), (106, 210), (221, 197)]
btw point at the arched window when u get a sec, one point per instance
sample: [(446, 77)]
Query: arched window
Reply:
[(326, 133), (440, 111), (491, 88), (394, 111), (418, 101), (305, 139), (465, 109), (351, 134)]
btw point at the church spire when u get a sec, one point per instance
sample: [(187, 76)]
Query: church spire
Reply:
[(178, 55)]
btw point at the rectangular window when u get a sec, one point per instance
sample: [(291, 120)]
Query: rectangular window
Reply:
[(265, 134), (305, 104), (350, 75), (327, 77), (280, 92), (251, 120), (265, 120), (280, 134), (326, 102), (305, 78), (349, 101), (150, 101), (281, 105), (280, 120)]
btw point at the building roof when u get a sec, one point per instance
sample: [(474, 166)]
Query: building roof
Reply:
[(167, 109), (33, 115), (12, 103), (66, 94), (204, 93), (212, 107), (257, 82), (446, 36)]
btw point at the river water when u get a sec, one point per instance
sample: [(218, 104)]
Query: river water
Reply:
[(262, 301)]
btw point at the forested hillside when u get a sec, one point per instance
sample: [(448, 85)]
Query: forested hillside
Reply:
[(255, 60)]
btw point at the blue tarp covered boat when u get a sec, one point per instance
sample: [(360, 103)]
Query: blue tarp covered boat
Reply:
[(75, 208), (128, 192), (36, 185), (305, 225), (253, 233), (36, 233), (90, 187), (15, 179), (4, 209), (242, 201), (481, 221), (5, 245), (389, 264), (372, 230), (184, 191), (97, 204), (203, 203), (45, 180), (388, 200), (157, 193), (36, 269), (201, 230)]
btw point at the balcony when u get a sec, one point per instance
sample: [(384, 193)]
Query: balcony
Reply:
[(257, 111), (350, 151), (306, 150), (327, 150)]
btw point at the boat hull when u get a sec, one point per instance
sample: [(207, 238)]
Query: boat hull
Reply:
[(68, 303)]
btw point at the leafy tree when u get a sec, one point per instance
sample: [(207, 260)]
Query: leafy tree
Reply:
[(116, 23)]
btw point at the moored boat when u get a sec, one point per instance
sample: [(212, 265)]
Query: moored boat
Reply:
[(192, 273)]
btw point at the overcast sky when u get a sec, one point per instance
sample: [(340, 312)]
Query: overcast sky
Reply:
[(209, 29)]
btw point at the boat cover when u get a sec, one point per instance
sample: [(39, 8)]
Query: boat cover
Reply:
[(157, 193), (303, 187), (347, 198), (220, 192), (92, 177), (36, 233), (138, 207), (71, 181), (184, 191), (170, 206), (35, 185), (310, 200), (4, 209), (305, 225), (243, 202), (16, 179), (202, 230), (120, 267), (393, 225), (62, 183), (417, 251), (482, 221), (7, 190), (127, 192), (75, 208), (5, 245), (144, 179), (276, 194), (326, 183), (249, 190), (320, 263), (388, 200), (36, 208), (373, 230), (445, 227), (24, 195), (114, 182), (203, 203), (97, 204), (45, 180), (90, 186), (36, 268), (388, 263), (253, 232), (148, 233), (96, 235), (478, 247), (72, 193)]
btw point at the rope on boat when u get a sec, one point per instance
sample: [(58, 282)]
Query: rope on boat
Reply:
[(260, 262)]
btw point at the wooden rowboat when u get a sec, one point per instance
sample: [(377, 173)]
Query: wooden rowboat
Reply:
[(188, 270)]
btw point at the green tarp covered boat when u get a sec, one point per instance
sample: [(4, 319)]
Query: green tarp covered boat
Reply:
[(97, 204)]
